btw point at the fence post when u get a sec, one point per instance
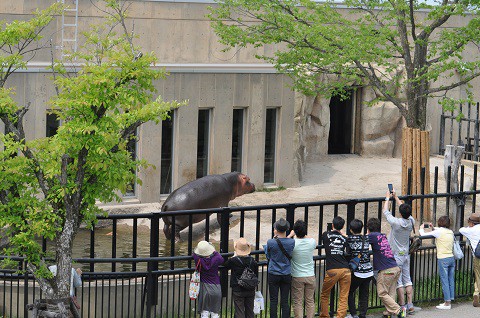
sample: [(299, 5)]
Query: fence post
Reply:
[(224, 236), (350, 213), (291, 215), (25, 294), (152, 282), (442, 133)]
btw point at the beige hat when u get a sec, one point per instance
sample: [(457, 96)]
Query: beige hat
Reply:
[(241, 246), (204, 249), (474, 218)]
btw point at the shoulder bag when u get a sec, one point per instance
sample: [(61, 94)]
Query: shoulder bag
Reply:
[(280, 245), (194, 288), (476, 252), (415, 241), (248, 280), (457, 249)]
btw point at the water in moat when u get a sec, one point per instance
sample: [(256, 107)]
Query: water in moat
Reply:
[(124, 248)]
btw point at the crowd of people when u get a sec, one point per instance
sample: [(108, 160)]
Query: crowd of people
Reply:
[(291, 269)]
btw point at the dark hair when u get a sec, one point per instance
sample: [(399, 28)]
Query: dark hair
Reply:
[(300, 228), (338, 223), (373, 225), (356, 226), (405, 210), (444, 221)]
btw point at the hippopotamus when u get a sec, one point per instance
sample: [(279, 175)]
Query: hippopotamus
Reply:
[(212, 191)]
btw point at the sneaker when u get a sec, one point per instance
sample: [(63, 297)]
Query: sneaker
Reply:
[(402, 313), (444, 306), (476, 301), (411, 311)]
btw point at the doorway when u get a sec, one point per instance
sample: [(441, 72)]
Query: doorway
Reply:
[(340, 136)]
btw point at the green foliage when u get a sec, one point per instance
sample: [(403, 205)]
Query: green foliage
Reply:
[(50, 185), (391, 46)]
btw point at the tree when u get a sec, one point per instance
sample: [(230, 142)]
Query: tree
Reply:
[(49, 186), (399, 48)]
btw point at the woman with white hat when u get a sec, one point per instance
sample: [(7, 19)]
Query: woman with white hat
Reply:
[(207, 260), (243, 296)]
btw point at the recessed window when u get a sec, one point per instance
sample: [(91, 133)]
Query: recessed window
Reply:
[(52, 124), (237, 139), (167, 156), (132, 149), (270, 145), (203, 142)]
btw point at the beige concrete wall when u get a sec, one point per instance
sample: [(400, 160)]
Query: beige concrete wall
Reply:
[(180, 34)]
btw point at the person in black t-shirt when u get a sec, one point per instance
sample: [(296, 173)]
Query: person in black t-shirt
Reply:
[(337, 270), (243, 299)]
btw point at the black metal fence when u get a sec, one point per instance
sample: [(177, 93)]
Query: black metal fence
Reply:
[(141, 274), (461, 127)]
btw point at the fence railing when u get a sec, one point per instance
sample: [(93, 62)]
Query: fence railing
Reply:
[(133, 271), (461, 127)]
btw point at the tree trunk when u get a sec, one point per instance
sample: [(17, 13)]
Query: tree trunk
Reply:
[(453, 159)]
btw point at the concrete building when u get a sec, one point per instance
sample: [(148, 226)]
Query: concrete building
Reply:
[(241, 116)]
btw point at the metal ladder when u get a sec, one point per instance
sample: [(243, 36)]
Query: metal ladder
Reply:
[(69, 27)]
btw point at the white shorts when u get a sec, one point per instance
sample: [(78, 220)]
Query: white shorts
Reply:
[(403, 261)]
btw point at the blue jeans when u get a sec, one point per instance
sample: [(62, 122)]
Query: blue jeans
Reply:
[(446, 269)]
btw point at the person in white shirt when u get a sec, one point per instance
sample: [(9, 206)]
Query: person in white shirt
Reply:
[(472, 233), (75, 278), (444, 238)]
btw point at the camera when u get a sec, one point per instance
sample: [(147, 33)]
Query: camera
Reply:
[(426, 225), (329, 227)]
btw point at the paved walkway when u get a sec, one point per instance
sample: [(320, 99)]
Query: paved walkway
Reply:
[(461, 309)]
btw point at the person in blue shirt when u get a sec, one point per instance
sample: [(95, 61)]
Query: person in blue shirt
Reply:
[(278, 251)]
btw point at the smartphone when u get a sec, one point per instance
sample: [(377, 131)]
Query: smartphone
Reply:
[(390, 188), (426, 225), (329, 227)]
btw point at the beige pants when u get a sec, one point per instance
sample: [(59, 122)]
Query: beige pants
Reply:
[(303, 288), (387, 288), (344, 277), (476, 273)]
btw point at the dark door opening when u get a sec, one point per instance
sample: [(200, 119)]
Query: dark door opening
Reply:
[(341, 124)]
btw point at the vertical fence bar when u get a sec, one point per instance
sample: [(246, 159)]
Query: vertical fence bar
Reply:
[(468, 144), (459, 141), (114, 244), (290, 217), (435, 191), (464, 197), (152, 283), (350, 213), (476, 135), (449, 180), (92, 249), (224, 237), (422, 191), (442, 133), (474, 198)]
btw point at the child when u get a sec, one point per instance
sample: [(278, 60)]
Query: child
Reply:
[(279, 252), (243, 299), (210, 297), (361, 277), (337, 270), (388, 271)]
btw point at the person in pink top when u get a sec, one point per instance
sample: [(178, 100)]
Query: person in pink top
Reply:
[(210, 297)]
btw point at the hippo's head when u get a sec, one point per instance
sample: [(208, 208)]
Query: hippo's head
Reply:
[(245, 185)]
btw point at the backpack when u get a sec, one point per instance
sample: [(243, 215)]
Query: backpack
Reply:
[(476, 252), (415, 241), (248, 280)]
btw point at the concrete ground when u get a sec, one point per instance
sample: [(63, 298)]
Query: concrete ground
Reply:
[(460, 309)]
